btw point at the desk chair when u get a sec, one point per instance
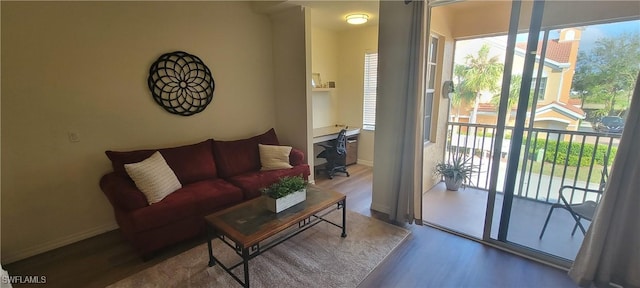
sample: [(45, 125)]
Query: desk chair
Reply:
[(578, 211), (336, 154)]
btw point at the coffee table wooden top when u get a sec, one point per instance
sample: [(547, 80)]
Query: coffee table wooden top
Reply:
[(251, 222)]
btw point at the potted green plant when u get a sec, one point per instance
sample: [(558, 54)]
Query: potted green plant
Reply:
[(457, 172), (288, 191)]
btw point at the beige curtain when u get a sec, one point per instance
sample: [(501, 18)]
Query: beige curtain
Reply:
[(400, 96), (611, 249)]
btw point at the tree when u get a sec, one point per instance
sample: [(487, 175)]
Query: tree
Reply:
[(480, 73), (606, 74), (514, 95), (462, 94)]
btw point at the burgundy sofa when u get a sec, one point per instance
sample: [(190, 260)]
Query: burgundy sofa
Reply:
[(214, 175)]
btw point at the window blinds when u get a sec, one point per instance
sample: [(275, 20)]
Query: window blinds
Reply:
[(370, 86)]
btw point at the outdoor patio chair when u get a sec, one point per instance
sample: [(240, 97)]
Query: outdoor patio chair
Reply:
[(578, 211)]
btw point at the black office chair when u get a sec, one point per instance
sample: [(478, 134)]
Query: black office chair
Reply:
[(336, 155), (578, 211)]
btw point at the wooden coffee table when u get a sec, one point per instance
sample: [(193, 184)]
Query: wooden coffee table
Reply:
[(249, 228)]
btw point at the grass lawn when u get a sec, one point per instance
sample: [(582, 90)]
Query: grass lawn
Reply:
[(583, 172)]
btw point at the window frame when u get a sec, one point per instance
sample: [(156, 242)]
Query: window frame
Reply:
[(543, 87), (431, 66)]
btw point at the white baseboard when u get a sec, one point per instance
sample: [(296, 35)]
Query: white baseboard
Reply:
[(381, 208), (13, 256), (365, 162)]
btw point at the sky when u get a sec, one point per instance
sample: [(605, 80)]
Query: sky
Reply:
[(592, 33), (590, 36)]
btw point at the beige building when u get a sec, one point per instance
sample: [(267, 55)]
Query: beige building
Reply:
[(555, 109)]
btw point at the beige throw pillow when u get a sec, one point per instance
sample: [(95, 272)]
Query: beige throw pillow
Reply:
[(273, 157), (153, 177)]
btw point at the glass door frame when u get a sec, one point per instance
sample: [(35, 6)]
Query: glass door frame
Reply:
[(515, 149)]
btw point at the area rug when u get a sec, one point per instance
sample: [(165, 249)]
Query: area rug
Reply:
[(318, 257)]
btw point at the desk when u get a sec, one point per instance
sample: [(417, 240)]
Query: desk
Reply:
[(324, 134)]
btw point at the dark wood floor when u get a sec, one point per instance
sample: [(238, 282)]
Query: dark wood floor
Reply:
[(427, 258)]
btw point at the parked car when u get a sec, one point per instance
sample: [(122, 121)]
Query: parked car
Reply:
[(610, 124)]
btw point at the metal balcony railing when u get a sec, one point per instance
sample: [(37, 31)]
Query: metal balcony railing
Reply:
[(549, 159)]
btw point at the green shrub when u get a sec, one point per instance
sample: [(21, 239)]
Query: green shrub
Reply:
[(573, 152)]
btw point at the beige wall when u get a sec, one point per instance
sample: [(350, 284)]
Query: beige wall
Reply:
[(324, 60), (82, 67), (291, 52), (471, 20), (555, 82), (354, 43), (555, 79), (434, 151)]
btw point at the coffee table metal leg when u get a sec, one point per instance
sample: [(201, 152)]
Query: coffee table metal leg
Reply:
[(210, 235), (245, 259), (344, 218)]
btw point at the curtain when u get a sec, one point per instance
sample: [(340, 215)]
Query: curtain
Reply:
[(398, 136), (610, 251)]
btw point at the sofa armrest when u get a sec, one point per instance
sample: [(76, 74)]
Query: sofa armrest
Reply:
[(122, 192), (296, 157)]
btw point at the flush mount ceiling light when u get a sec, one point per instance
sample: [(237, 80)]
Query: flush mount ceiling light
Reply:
[(357, 19)]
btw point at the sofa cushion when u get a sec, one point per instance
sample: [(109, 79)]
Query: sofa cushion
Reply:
[(273, 157), (195, 200), (153, 177), (190, 163), (214, 195), (252, 182), (241, 156), (178, 205)]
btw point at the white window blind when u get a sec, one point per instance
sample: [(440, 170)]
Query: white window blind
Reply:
[(370, 91)]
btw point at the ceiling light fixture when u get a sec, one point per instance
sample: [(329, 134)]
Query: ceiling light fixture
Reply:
[(357, 19)]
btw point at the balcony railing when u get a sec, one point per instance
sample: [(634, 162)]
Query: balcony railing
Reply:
[(549, 159)]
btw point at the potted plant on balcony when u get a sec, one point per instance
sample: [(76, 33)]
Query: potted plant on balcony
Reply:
[(285, 193), (457, 172)]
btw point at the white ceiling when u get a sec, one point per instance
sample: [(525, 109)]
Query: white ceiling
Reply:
[(331, 14)]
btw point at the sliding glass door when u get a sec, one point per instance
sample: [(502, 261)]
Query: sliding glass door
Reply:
[(551, 117), (572, 99), (525, 45)]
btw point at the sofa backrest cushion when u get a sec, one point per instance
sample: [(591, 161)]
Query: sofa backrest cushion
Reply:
[(241, 156), (190, 163)]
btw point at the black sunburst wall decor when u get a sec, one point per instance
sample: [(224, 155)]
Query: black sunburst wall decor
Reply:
[(181, 83)]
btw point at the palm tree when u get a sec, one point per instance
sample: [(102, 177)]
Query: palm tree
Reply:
[(462, 94), (514, 94), (481, 73)]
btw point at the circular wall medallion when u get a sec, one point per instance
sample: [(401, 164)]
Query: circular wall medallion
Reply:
[(181, 83)]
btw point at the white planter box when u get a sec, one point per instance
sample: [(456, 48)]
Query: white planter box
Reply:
[(277, 205)]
